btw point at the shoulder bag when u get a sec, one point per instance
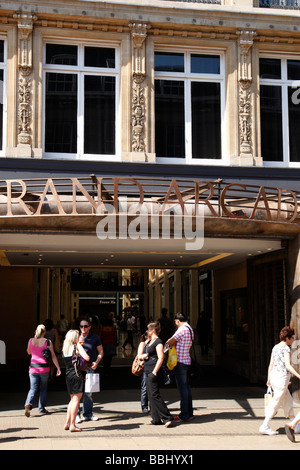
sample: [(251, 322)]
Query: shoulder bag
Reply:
[(47, 352), (194, 368), (79, 363), (137, 366)]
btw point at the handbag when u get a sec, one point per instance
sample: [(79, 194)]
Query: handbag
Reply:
[(172, 358), (268, 396), (79, 363), (92, 383), (137, 366), (164, 375), (47, 352)]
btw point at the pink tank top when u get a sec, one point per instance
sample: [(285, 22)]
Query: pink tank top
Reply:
[(37, 358)]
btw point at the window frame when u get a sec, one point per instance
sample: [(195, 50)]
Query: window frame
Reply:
[(188, 77), (81, 71), (284, 83)]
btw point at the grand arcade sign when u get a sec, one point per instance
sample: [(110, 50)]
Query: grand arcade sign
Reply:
[(86, 195)]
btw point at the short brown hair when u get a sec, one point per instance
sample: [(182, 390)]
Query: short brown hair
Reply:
[(154, 326), (286, 332)]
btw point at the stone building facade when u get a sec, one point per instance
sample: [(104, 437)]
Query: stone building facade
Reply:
[(172, 92)]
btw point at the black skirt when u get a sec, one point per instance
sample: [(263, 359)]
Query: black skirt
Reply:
[(74, 383)]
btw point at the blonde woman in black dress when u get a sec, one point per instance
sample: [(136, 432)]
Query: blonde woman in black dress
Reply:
[(75, 383)]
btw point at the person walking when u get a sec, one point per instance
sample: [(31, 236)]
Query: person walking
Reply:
[(166, 326), (130, 324), (279, 374), (108, 335), (52, 334), (92, 344), (75, 380), (62, 327), (153, 356), (39, 369), (182, 340)]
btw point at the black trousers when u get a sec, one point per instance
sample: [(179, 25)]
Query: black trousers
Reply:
[(158, 409)]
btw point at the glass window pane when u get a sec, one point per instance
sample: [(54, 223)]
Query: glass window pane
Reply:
[(294, 123), (61, 54), (205, 64), (99, 57), (270, 68), (206, 120), (293, 69), (168, 62), (99, 115), (61, 113), (1, 51), (169, 119), (271, 123)]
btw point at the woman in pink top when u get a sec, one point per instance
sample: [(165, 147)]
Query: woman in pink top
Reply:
[(39, 369)]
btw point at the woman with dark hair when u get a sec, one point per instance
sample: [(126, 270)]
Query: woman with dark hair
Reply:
[(279, 374), (153, 355)]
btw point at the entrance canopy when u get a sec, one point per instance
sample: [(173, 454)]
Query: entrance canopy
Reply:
[(83, 250), (141, 222)]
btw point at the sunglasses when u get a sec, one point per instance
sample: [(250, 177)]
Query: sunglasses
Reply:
[(84, 326)]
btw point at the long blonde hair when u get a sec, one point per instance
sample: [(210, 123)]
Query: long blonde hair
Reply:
[(71, 338), (39, 331)]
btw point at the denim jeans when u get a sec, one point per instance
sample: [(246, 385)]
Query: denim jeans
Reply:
[(87, 402), (183, 386), (144, 394), (38, 382)]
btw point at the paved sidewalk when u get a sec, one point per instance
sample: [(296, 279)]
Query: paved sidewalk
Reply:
[(225, 419)]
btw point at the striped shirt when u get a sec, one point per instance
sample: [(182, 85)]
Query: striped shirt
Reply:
[(184, 336)]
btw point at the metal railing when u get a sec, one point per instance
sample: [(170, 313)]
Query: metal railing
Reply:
[(284, 4)]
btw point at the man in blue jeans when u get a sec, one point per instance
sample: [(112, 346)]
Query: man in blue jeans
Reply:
[(182, 340), (93, 346)]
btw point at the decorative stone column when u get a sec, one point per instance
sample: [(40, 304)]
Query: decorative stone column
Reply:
[(24, 90), (245, 97), (139, 100)]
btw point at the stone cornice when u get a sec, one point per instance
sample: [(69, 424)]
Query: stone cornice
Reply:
[(207, 26)]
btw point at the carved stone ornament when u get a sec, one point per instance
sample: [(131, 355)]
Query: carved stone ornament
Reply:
[(245, 92), (25, 27), (138, 34), (138, 118), (245, 117)]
